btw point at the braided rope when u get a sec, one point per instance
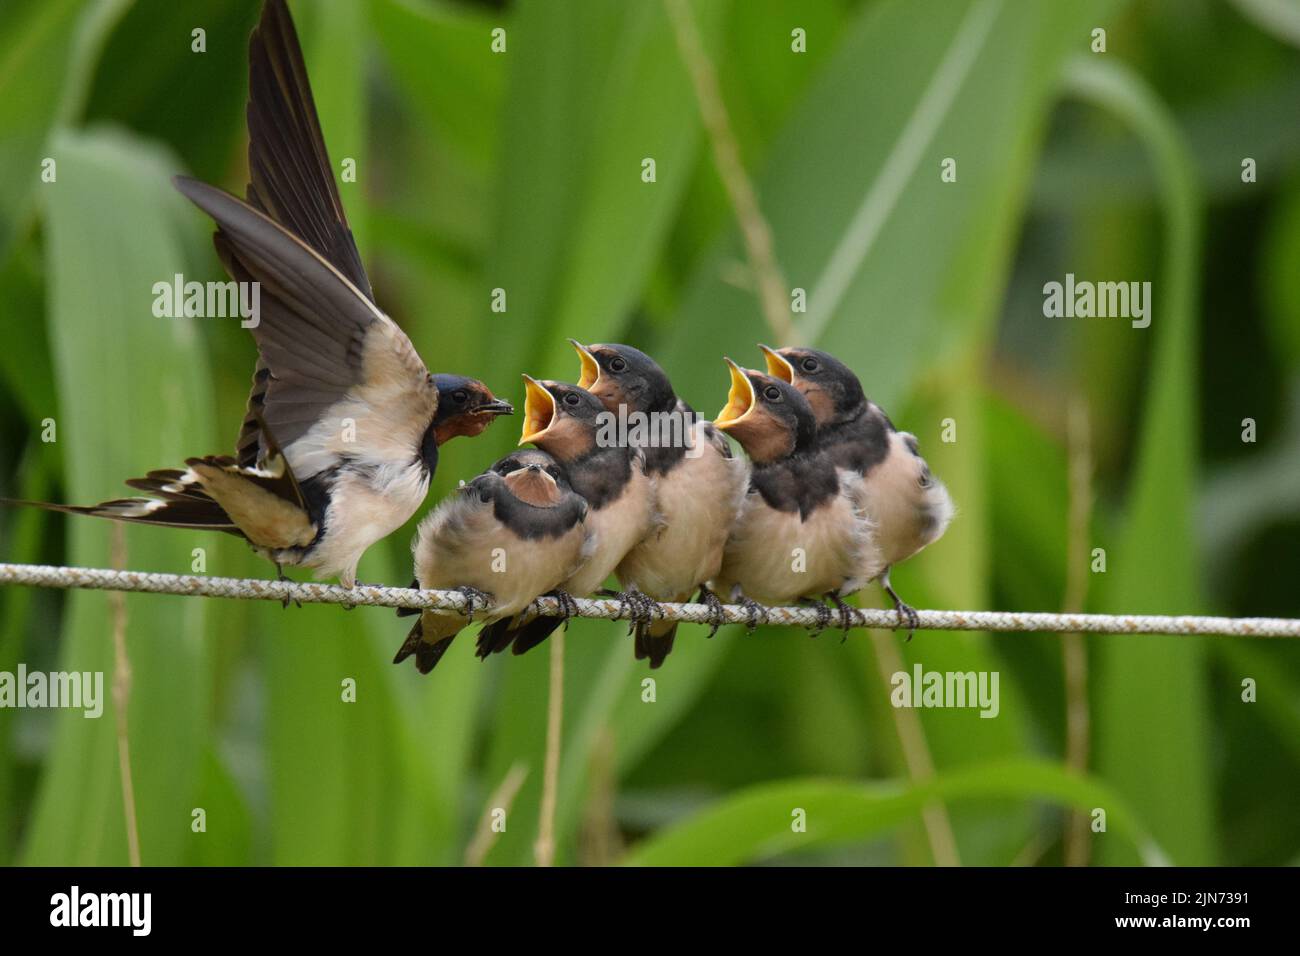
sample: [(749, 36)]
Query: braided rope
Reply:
[(102, 579)]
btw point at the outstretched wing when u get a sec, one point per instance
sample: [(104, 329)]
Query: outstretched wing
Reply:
[(291, 177), (336, 377)]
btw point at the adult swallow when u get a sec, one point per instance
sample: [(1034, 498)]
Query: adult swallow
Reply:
[(700, 485), (909, 506), (513, 533), (340, 437), (801, 532), (288, 521), (566, 421)]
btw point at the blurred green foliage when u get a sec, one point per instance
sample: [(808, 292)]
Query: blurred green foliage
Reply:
[(522, 171)]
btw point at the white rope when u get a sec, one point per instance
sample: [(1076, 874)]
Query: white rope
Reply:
[(102, 579)]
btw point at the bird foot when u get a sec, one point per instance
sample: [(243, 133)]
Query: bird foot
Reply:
[(755, 613), (568, 605), (284, 601), (907, 616), (368, 584), (848, 614), (472, 597), (717, 617), (637, 608), (823, 612)]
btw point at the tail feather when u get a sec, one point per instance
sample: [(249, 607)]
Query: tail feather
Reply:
[(495, 637), (655, 641), (426, 654), (277, 479), (533, 633), (171, 484), (176, 512), (264, 500), (180, 499), (521, 638)]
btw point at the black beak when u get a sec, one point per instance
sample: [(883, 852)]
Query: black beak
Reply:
[(495, 407)]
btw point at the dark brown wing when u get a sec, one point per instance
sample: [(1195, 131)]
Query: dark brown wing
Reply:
[(323, 347), (292, 179)]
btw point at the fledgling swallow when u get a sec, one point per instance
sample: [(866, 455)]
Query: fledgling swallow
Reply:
[(801, 532), (513, 533), (908, 505), (340, 437), (700, 486), (565, 421)]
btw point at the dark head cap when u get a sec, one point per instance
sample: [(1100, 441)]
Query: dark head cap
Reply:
[(830, 386), (621, 375), (767, 415), (465, 407)]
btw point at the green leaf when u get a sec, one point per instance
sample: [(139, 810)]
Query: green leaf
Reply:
[(594, 90), (120, 416), (1150, 693), (35, 46), (758, 823), (892, 293), (467, 96), (1282, 280), (227, 837), (191, 100), (26, 533)]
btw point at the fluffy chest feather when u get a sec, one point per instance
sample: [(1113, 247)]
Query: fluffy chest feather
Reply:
[(616, 527), (698, 501), (463, 543), (776, 557), (910, 508)]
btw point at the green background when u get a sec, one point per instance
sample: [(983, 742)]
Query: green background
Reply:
[(522, 171)]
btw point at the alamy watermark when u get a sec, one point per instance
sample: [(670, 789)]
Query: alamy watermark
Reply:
[(83, 690), (1103, 300), (675, 429), (208, 300), (941, 689), (130, 910)]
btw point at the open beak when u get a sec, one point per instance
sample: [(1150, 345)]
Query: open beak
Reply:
[(590, 367), (740, 400), (539, 410), (777, 366)]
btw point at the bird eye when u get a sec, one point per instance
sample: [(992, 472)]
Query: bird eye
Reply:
[(617, 364), (772, 393), (570, 399), (460, 397), (809, 365)]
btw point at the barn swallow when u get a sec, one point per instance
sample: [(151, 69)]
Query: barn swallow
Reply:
[(700, 486), (343, 423), (513, 533), (285, 520), (565, 421), (801, 533), (908, 505)]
